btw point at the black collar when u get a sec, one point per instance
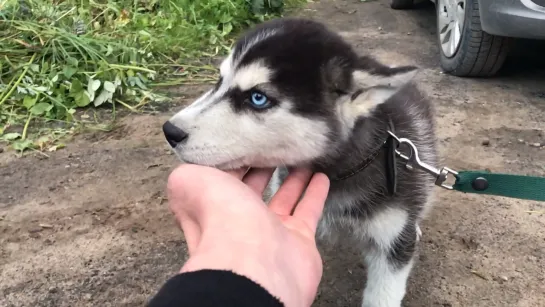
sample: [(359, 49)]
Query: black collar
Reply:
[(363, 164), (390, 145)]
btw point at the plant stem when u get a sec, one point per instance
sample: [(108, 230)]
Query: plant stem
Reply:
[(25, 129), (18, 80)]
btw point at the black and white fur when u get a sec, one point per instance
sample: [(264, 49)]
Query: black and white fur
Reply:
[(329, 109)]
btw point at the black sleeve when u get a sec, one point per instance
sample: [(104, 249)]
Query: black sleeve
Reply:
[(212, 288)]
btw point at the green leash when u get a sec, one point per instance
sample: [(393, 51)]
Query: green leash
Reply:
[(477, 182), (515, 186)]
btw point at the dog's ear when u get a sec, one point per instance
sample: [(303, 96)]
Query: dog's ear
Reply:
[(337, 74), (373, 83)]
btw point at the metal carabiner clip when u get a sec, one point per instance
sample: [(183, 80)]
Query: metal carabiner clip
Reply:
[(413, 161)]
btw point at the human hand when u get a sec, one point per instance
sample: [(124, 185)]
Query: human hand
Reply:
[(227, 226)]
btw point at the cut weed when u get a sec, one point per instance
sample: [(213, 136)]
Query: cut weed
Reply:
[(59, 57)]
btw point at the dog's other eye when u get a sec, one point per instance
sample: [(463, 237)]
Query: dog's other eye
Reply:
[(258, 99)]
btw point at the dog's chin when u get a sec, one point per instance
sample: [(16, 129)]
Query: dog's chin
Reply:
[(224, 166), (246, 163), (233, 164), (230, 165)]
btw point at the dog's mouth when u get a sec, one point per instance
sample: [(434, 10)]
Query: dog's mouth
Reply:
[(226, 162)]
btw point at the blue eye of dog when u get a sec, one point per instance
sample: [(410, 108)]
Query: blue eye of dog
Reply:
[(258, 100)]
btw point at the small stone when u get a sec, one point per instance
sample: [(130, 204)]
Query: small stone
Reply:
[(49, 242), (536, 145), (35, 229), (521, 141), (46, 226), (34, 235), (380, 28), (409, 33), (504, 278), (486, 142), (88, 296), (52, 289)]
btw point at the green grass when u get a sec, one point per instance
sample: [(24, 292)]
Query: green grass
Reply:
[(63, 56)]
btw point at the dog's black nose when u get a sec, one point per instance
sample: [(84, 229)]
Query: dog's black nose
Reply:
[(173, 134)]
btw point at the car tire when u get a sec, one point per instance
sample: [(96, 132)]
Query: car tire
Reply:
[(478, 54), (401, 4)]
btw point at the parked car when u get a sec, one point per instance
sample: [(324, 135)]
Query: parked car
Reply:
[(475, 35)]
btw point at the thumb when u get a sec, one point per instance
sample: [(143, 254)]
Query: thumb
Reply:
[(183, 202), (311, 206)]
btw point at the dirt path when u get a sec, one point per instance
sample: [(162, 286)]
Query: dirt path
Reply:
[(89, 226)]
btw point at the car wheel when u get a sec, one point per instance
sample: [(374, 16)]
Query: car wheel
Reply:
[(466, 50), (401, 4)]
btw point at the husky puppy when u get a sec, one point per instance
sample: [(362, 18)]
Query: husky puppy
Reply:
[(294, 93)]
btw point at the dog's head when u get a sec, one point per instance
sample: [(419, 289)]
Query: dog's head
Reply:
[(287, 94)]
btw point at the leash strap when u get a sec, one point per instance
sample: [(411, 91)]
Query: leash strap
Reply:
[(478, 182), (514, 186)]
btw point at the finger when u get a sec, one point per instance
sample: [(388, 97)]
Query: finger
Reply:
[(285, 199), (180, 200), (311, 206), (258, 178), (192, 233)]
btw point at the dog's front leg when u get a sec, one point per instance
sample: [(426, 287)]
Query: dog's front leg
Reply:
[(277, 179), (389, 258)]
